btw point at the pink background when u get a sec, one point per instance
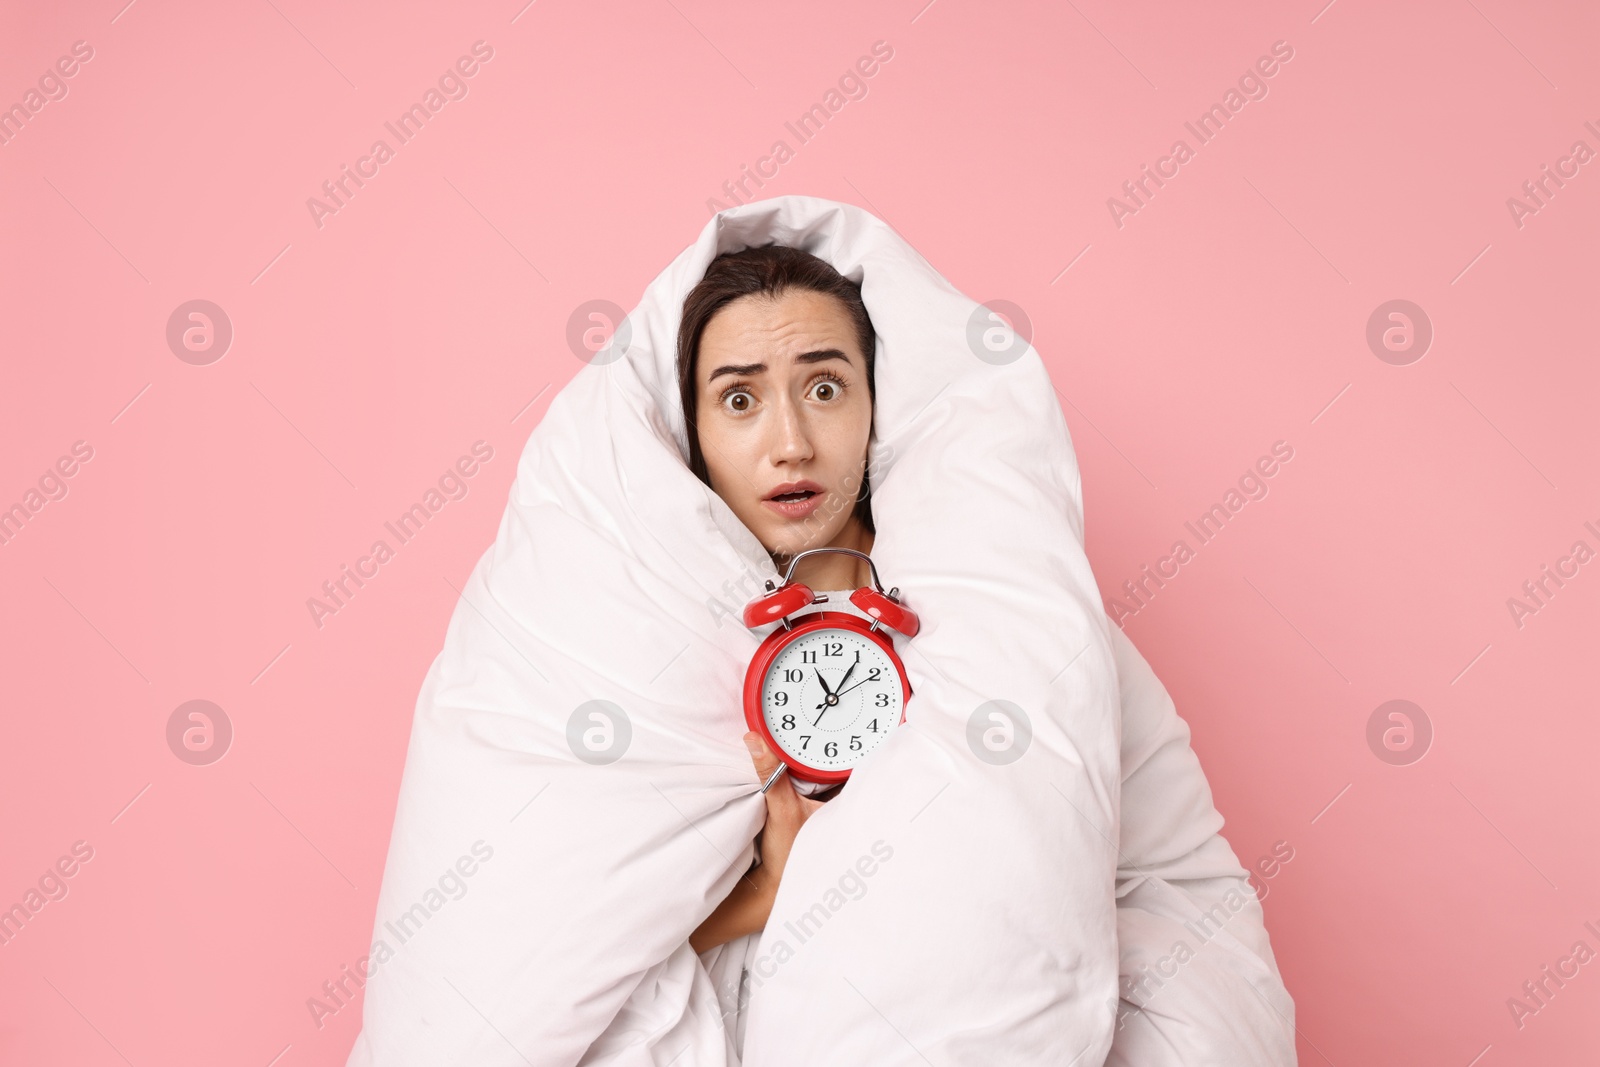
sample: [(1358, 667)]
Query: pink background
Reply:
[(431, 312)]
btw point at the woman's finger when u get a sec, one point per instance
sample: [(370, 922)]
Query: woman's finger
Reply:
[(760, 755), (782, 799)]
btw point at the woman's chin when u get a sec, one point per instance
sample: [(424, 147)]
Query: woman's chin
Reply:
[(786, 547), (789, 540)]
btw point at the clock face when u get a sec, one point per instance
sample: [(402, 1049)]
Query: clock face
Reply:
[(830, 697)]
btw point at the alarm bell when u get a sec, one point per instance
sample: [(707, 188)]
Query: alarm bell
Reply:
[(883, 608)]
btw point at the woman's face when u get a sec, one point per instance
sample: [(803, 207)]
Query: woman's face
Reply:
[(784, 417)]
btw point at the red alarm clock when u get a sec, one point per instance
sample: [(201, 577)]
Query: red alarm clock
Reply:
[(825, 691)]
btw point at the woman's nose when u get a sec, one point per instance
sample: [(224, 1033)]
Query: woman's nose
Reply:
[(793, 442)]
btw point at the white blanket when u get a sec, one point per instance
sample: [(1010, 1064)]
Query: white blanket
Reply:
[(577, 799)]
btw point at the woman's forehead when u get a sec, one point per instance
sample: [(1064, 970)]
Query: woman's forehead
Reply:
[(777, 333)]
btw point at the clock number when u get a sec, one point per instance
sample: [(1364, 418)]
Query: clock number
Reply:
[(780, 698), (873, 726), (805, 739), (788, 722), (831, 748), (793, 675), (808, 655), (882, 700), (833, 648), (873, 677), (855, 742)]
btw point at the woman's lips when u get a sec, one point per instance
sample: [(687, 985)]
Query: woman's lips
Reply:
[(794, 509)]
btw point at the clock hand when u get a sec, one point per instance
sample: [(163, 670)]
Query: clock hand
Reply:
[(842, 692), (851, 671), (832, 696), (843, 680), (824, 683)]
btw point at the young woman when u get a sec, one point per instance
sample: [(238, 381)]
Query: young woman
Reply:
[(775, 370)]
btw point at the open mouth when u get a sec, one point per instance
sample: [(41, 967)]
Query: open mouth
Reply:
[(794, 500)]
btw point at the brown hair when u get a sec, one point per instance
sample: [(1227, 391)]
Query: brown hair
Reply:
[(769, 270)]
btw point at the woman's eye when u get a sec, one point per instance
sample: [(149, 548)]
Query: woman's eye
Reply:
[(826, 390), (739, 401)]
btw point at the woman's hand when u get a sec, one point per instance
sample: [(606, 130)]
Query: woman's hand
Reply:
[(747, 906)]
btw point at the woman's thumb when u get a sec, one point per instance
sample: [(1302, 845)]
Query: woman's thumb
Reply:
[(782, 796), (763, 758), (766, 763)]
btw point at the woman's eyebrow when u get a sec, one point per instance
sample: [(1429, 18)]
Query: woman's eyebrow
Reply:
[(759, 368)]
